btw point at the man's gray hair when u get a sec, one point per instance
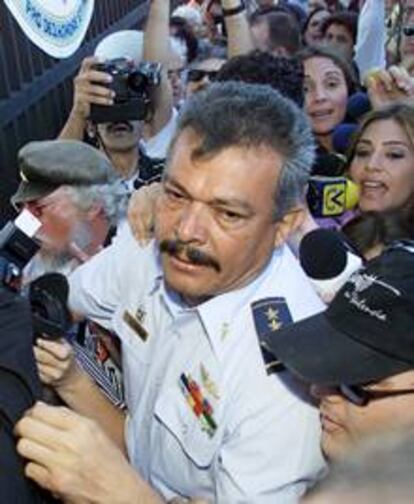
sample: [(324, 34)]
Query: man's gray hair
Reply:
[(252, 115), (113, 197)]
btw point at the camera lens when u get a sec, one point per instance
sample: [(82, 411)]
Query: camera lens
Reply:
[(408, 31), (137, 82)]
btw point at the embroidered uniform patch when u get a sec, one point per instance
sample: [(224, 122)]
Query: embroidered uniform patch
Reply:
[(198, 403), (269, 315)]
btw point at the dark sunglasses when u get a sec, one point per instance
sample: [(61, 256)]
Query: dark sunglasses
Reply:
[(408, 31), (360, 396), (198, 75)]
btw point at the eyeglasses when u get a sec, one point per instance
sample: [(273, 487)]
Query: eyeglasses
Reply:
[(408, 31), (198, 75), (360, 396)]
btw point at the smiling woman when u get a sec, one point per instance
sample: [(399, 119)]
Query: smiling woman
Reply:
[(381, 159)]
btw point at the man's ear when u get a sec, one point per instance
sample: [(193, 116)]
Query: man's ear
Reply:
[(288, 224)]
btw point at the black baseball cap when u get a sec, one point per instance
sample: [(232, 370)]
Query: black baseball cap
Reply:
[(367, 332)]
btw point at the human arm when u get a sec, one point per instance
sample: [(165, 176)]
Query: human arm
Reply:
[(96, 287), (370, 44), (58, 369), (71, 456), (90, 86), (95, 291), (157, 49), (239, 39)]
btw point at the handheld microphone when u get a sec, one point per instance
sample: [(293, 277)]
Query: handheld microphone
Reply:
[(328, 260), (341, 137), (48, 297), (358, 105), (331, 196)]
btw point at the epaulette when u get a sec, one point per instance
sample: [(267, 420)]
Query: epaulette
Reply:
[(269, 315)]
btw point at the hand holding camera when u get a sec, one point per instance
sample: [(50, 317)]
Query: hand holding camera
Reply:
[(130, 86), (91, 86)]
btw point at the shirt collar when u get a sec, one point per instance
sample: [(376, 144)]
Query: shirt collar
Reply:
[(219, 313)]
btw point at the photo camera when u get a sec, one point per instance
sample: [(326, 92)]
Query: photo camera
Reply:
[(48, 294), (133, 85)]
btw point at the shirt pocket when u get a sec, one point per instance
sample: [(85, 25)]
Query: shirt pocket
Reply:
[(187, 435)]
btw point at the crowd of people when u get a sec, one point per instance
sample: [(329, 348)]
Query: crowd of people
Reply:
[(232, 202)]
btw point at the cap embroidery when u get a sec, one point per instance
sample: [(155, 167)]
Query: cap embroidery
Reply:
[(362, 282), (361, 304)]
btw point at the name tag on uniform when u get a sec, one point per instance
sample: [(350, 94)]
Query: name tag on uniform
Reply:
[(134, 324)]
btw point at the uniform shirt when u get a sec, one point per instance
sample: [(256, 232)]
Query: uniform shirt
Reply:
[(205, 419)]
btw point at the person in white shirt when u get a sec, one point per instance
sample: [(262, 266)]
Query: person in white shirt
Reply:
[(210, 412)]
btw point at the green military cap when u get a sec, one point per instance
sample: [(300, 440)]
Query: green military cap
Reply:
[(47, 165)]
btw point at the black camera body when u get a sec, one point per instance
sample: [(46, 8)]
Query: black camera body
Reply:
[(47, 295), (16, 250), (133, 85)]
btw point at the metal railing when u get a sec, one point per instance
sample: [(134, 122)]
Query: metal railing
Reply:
[(36, 89)]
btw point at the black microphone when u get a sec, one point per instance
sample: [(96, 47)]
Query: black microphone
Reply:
[(48, 297), (358, 105), (342, 136), (328, 260)]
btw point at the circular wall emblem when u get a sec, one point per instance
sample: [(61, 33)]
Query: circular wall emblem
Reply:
[(56, 26)]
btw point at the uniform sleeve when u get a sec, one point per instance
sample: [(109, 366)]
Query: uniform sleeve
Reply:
[(97, 287)]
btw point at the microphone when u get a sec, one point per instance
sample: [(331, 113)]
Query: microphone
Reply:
[(331, 196), (341, 137), (328, 260), (48, 296), (358, 105)]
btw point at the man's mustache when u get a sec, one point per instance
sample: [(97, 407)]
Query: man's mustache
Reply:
[(195, 256)]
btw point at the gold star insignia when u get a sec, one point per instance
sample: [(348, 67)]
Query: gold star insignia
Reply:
[(273, 319)]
